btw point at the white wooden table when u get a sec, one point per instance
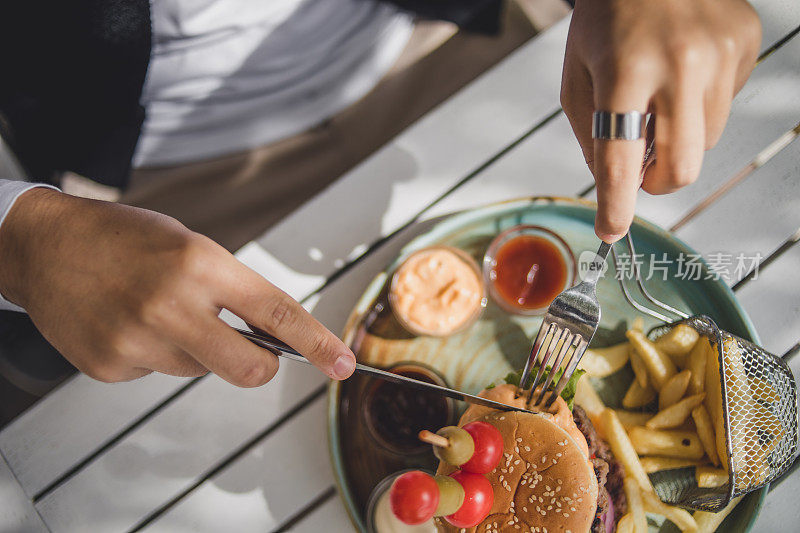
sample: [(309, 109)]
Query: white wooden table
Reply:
[(173, 455)]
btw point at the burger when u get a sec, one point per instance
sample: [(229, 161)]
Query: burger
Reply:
[(556, 473)]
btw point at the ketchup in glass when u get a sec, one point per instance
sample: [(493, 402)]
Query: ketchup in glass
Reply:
[(528, 270)]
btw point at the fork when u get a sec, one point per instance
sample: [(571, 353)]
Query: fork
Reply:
[(566, 331)]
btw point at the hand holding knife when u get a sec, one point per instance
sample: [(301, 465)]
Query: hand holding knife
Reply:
[(279, 348)]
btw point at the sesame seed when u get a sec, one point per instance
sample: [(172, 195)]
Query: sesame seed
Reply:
[(527, 448), (510, 469), (572, 509), (566, 515), (516, 462), (519, 439)]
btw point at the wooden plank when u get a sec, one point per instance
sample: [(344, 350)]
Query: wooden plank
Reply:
[(17, 514), (425, 160), (68, 424), (266, 486), (773, 302), (778, 17)]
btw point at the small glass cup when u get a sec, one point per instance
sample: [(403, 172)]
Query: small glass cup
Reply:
[(374, 502), (490, 263), (406, 444), (476, 312)]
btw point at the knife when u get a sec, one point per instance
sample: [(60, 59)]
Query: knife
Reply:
[(277, 347)]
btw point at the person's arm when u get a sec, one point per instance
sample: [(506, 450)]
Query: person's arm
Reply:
[(122, 291), (682, 60), (10, 190)]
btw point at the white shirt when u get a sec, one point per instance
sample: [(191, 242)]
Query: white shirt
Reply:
[(228, 75)]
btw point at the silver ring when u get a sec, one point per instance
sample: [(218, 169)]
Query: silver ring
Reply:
[(628, 126)]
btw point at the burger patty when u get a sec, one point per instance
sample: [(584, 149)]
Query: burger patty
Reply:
[(610, 473)]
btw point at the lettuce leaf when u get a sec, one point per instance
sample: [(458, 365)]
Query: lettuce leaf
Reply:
[(569, 390)]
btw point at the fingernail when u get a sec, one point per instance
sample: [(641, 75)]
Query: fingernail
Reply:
[(610, 237), (344, 366)]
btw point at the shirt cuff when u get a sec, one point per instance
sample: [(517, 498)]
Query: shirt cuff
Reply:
[(10, 190)]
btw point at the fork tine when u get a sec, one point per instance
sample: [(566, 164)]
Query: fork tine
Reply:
[(533, 357), (565, 346), (557, 336), (569, 369)]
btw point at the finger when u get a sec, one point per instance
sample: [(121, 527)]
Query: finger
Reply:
[(618, 163), (175, 361), (220, 349), (680, 141), (577, 101), (260, 303), (717, 105)]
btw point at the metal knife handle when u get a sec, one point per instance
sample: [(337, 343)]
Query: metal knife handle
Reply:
[(278, 347)]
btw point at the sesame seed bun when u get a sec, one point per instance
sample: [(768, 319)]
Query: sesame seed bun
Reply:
[(544, 481)]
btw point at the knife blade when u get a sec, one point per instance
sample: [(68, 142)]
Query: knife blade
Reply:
[(280, 348)]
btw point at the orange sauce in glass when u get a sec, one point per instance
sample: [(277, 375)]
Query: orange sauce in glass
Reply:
[(529, 272)]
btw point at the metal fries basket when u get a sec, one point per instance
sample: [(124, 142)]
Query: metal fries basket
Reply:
[(758, 410)]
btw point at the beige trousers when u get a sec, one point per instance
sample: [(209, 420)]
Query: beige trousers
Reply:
[(233, 199)]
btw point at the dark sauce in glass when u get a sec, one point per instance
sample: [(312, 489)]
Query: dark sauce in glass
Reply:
[(397, 413), (529, 272)]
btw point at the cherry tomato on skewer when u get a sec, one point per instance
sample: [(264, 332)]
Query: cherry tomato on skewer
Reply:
[(488, 443), (478, 500), (414, 497)]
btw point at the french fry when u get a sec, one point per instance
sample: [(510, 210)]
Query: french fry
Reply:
[(708, 477), (623, 449), (705, 430), (763, 391), (713, 402), (602, 362), (675, 415), (659, 366), (625, 524), (676, 515), (674, 389), (637, 396), (638, 324), (587, 397), (631, 419), (638, 366), (656, 464), (669, 443), (633, 494), (678, 342), (696, 363), (710, 522)]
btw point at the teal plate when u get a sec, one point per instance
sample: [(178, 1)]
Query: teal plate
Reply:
[(499, 342)]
